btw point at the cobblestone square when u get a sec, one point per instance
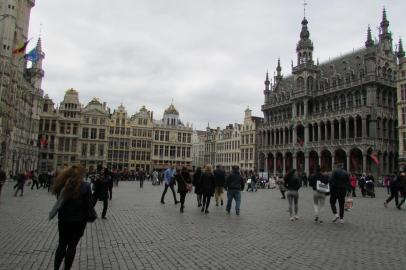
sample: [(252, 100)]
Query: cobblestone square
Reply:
[(140, 233)]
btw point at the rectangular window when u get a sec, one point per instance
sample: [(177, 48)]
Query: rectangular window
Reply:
[(92, 149), (84, 149), (133, 143), (128, 132), (101, 150), (102, 133), (166, 150), (173, 151), (404, 141), (167, 136), (162, 135), (155, 150), (179, 137), (403, 116), (156, 135), (161, 150), (184, 137), (93, 133), (94, 121)]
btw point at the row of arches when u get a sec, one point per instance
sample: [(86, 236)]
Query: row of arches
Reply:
[(354, 161), (337, 129)]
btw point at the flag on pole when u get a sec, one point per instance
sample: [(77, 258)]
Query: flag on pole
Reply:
[(374, 159), (21, 49), (32, 56)]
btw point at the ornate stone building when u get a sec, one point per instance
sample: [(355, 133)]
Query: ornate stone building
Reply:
[(130, 140), (68, 134), (172, 142), (248, 145), (20, 89), (341, 111), (94, 124), (401, 87), (47, 138), (227, 148), (198, 144)]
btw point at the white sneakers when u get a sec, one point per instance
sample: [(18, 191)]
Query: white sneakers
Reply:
[(294, 218)]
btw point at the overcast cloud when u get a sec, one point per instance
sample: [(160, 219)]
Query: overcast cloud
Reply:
[(210, 56)]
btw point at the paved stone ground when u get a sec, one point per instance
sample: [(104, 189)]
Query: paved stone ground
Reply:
[(140, 233)]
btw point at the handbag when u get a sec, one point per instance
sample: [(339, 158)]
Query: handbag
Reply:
[(322, 187), (348, 203), (189, 187)]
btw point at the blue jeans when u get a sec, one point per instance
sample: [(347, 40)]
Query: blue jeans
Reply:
[(236, 195)]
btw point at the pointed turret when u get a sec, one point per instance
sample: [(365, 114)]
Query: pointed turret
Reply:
[(370, 41), (304, 47), (267, 82), (401, 52), (385, 37), (278, 76)]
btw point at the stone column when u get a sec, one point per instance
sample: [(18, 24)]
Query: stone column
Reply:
[(305, 108), (364, 163), (364, 128), (348, 163), (347, 129), (283, 165), (274, 164), (306, 165), (319, 132), (294, 136), (266, 164), (294, 161), (294, 110), (332, 131), (306, 135), (332, 160), (339, 130), (283, 137)]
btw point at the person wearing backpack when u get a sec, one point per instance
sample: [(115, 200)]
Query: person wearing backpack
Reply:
[(293, 183), (319, 195)]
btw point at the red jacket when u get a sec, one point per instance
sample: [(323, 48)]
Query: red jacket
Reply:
[(353, 181)]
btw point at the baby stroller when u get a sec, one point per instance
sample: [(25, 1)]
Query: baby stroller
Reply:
[(370, 188)]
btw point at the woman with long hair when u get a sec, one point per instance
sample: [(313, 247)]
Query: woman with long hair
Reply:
[(208, 186), (73, 213), (293, 184)]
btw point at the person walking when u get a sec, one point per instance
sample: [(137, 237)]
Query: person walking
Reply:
[(402, 188), (353, 182), (169, 179), (110, 184), (35, 180), (21, 178), (72, 214), (219, 181), (208, 186), (3, 178), (184, 186), (197, 183), (319, 196), (339, 185), (281, 184), (155, 180), (141, 177), (394, 191), (293, 182), (234, 184), (101, 190)]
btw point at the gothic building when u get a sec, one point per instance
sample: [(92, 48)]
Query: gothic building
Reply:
[(341, 111), (21, 95)]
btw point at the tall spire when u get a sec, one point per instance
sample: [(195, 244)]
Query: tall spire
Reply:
[(401, 52), (385, 37), (278, 68), (370, 41), (267, 82), (384, 22)]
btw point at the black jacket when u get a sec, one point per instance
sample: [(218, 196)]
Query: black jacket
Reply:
[(182, 179), (76, 209), (317, 177), (234, 181), (197, 182), (101, 187), (219, 178), (340, 180), (207, 184), (293, 181)]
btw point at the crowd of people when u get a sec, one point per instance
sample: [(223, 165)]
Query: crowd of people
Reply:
[(78, 192)]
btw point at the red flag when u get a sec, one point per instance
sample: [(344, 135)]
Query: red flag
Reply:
[(43, 141), (21, 49), (374, 159)]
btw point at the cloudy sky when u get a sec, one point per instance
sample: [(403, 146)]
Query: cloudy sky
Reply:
[(209, 56)]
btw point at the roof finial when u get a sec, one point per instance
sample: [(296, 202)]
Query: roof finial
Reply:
[(401, 52), (304, 8), (369, 42)]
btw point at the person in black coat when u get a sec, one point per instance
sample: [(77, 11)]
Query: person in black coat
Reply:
[(184, 181), (197, 183), (207, 185), (101, 190), (220, 180), (394, 191), (73, 214), (339, 186)]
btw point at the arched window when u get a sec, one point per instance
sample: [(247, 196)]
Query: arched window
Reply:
[(349, 100), (310, 83), (357, 99), (300, 83)]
